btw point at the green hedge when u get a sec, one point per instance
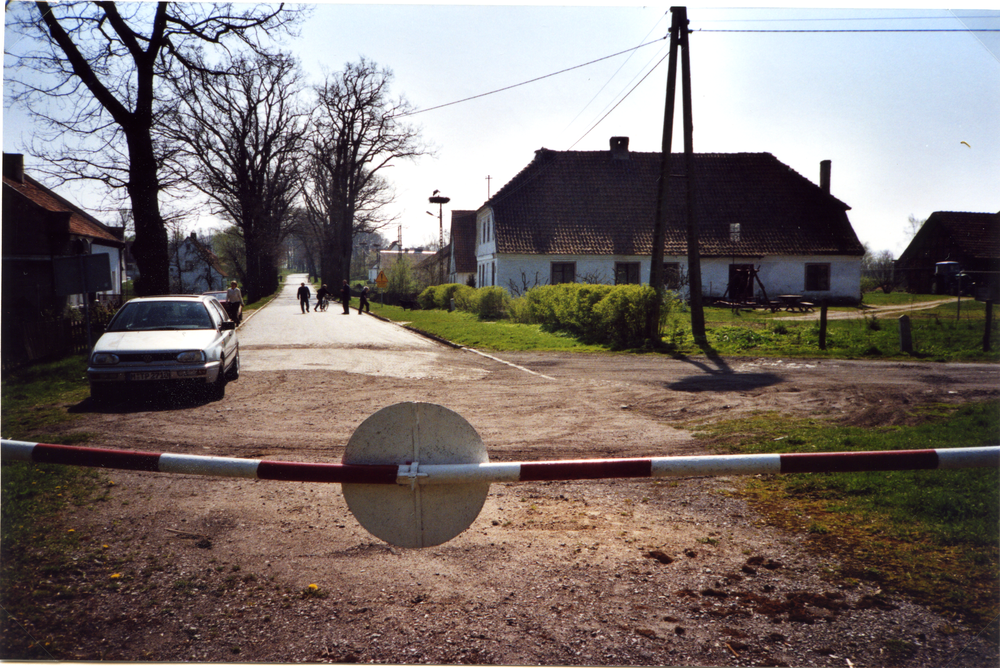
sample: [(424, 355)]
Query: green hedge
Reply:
[(600, 314), (440, 296)]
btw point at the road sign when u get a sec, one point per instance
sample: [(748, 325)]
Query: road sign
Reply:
[(381, 281)]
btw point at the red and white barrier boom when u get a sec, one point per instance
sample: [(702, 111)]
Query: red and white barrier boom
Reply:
[(417, 474)]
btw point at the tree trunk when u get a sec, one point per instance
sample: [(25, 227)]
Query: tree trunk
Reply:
[(150, 248)]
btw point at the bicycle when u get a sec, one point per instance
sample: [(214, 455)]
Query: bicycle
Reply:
[(322, 304)]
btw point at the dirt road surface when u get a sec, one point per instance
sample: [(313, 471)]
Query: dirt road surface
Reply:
[(667, 572)]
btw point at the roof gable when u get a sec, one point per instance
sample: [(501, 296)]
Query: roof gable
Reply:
[(974, 235), (591, 202), (80, 222)]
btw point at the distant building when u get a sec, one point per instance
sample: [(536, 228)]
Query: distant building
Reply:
[(971, 240), (392, 254), (587, 216), (194, 267), (462, 249)]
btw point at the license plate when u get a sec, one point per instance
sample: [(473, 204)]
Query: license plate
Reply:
[(149, 375)]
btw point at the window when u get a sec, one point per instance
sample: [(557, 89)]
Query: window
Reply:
[(817, 277), (626, 272), (734, 232), (672, 275), (563, 272)]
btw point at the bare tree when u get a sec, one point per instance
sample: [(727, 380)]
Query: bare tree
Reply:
[(91, 70), (242, 134), (355, 134), (877, 270)]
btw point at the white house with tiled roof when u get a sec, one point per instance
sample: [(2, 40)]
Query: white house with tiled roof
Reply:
[(587, 216)]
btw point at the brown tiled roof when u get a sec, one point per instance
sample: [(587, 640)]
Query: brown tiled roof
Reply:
[(587, 202), (463, 239), (80, 222), (975, 235)]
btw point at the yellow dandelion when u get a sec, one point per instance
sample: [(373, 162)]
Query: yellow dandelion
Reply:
[(313, 587), (70, 530), (104, 546), (115, 576)]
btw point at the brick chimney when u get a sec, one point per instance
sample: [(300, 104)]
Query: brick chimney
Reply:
[(824, 176), (619, 148), (13, 166)]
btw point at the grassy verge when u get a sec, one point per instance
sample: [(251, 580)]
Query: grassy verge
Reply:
[(941, 334), (467, 330), (932, 535), (33, 546)]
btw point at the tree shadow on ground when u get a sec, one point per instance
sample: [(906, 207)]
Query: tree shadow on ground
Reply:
[(718, 376)]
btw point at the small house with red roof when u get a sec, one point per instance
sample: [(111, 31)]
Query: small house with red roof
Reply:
[(40, 226), (587, 216)]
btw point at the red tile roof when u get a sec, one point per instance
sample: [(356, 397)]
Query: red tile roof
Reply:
[(589, 202), (463, 239), (80, 222)]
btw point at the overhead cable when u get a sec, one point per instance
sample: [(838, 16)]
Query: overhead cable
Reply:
[(524, 83)]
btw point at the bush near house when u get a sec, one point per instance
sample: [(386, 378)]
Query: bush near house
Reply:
[(594, 314), (440, 296)]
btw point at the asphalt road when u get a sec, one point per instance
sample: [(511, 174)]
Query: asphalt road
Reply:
[(279, 337)]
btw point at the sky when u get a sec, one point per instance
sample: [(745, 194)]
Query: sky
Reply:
[(910, 120)]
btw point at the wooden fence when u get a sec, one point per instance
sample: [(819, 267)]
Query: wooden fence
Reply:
[(23, 342)]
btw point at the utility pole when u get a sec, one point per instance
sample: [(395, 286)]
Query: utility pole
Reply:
[(678, 38)]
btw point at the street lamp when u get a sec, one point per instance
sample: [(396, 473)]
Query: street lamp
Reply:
[(440, 201)]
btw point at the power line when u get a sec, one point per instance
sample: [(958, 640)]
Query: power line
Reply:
[(857, 30), (620, 101), (524, 83)]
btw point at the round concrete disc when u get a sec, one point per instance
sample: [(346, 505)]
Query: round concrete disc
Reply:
[(415, 515)]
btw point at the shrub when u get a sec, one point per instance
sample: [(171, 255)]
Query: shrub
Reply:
[(491, 303), (621, 315), (427, 298)]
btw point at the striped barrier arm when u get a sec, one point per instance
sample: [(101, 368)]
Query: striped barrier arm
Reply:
[(415, 473)]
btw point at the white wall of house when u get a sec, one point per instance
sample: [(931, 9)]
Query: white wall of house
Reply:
[(116, 259), (780, 275)]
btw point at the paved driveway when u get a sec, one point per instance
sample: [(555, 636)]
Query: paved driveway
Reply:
[(281, 337)]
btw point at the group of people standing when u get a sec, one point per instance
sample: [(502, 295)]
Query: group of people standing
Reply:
[(345, 298)]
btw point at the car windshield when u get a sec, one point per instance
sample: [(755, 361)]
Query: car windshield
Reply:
[(140, 316), (221, 296)]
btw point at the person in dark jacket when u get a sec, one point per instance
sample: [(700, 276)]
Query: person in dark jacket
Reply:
[(320, 297), (304, 295), (345, 296)]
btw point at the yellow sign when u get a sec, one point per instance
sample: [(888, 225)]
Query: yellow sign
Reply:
[(381, 281)]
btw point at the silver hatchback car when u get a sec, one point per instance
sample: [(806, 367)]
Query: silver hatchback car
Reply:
[(171, 341)]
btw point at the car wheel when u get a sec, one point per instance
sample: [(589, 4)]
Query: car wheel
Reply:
[(217, 390), (234, 370)]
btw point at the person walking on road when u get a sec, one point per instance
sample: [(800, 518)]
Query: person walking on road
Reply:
[(345, 297), (304, 295), (234, 303), (363, 304)]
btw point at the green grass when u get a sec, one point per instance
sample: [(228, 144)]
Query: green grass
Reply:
[(938, 334), (467, 330), (933, 535), (35, 399)]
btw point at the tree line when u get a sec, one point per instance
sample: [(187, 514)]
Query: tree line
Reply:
[(159, 102)]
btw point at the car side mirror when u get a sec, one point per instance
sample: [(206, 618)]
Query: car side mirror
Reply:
[(227, 325)]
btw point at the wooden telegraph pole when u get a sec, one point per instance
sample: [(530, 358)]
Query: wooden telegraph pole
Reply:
[(678, 38)]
